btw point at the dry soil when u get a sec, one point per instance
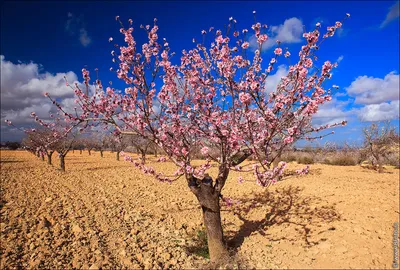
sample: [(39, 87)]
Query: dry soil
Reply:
[(103, 213)]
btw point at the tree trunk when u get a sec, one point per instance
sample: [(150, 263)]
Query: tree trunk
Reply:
[(118, 155), (155, 151), (380, 167), (143, 157), (209, 201), (42, 157), (80, 152), (37, 154), (62, 163), (89, 153), (73, 151), (49, 158), (101, 153)]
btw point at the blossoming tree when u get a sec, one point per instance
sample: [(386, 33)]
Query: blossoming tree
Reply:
[(215, 98), (42, 140)]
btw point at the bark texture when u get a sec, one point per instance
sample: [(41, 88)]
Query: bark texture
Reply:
[(62, 163), (208, 197)]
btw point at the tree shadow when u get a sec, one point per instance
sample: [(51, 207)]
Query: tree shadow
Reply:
[(292, 173), (281, 207), (105, 168), (11, 161)]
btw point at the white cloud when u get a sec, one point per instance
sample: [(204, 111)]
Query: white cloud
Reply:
[(84, 38), (394, 13), (380, 112), (273, 80), (370, 90), (23, 85), (75, 26), (288, 32), (340, 58), (22, 92), (332, 112)]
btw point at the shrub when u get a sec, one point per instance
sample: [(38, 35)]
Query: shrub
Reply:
[(326, 161), (393, 160), (289, 158), (343, 160), (305, 160)]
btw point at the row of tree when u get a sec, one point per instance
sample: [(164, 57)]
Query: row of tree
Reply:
[(43, 143)]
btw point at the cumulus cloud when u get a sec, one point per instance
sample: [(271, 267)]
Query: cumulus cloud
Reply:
[(371, 90), (273, 80), (22, 91), (332, 112), (380, 112), (75, 26), (23, 85), (394, 13), (288, 32)]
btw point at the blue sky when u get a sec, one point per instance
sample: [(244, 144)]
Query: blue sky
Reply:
[(40, 42)]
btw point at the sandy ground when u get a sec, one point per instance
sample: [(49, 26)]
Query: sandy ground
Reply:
[(105, 213)]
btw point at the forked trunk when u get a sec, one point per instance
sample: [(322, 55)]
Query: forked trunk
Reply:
[(143, 157), (118, 155), (62, 163), (209, 201)]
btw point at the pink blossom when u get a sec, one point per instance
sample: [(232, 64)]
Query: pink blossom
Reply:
[(245, 98), (245, 45), (204, 150), (262, 38), (278, 51)]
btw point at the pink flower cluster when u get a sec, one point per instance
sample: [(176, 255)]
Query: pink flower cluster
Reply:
[(303, 171)]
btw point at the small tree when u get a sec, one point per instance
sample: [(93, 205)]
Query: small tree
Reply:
[(215, 98), (79, 144), (118, 144), (101, 144), (45, 140), (63, 146), (141, 145), (90, 144), (379, 143)]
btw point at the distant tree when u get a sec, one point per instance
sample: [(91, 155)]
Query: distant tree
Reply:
[(63, 146), (43, 139), (90, 144), (12, 145), (79, 144), (141, 145), (118, 144), (380, 142), (101, 143)]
